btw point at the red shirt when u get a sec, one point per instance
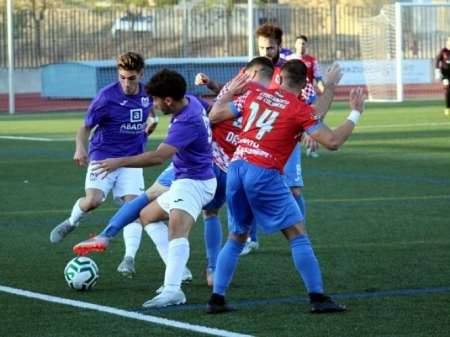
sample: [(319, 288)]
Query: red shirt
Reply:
[(272, 124), (314, 71), (225, 135)]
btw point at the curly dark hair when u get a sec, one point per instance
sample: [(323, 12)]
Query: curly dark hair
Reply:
[(270, 31), (130, 61), (167, 83)]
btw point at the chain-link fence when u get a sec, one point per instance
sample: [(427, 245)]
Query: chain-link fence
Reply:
[(81, 35)]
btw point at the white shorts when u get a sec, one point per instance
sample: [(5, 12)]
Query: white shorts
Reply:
[(124, 181), (189, 195)]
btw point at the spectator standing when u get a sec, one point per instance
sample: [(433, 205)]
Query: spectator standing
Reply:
[(442, 73)]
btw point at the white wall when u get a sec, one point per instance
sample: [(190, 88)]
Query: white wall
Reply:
[(26, 80)]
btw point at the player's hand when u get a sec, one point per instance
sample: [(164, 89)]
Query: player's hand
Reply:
[(310, 143), (80, 157), (334, 74), (105, 166), (240, 84), (150, 128), (357, 99), (202, 79)]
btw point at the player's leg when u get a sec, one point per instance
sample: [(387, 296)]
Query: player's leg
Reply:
[(447, 97), (294, 178), (252, 243), (240, 218), (129, 184), (213, 226), (308, 267), (184, 202), (96, 190), (128, 213)]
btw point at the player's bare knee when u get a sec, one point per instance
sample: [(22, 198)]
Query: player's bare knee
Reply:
[(90, 203), (207, 213)]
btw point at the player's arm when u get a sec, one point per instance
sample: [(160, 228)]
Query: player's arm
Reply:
[(153, 119), (214, 86), (333, 139), (146, 159), (317, 73), (323, 104), (81, 157), (224, 109)]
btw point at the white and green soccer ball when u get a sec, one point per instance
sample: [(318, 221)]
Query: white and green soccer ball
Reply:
[(81, 273)]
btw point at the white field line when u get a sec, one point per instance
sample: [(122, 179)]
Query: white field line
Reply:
[(123, 313), (43, 139), (400, 125), (38, 139)]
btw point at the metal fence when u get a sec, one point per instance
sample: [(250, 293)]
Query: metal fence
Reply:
[(83, 35)]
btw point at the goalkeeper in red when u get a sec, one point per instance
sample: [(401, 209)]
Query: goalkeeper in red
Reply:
[(273, 121), (442, 72)]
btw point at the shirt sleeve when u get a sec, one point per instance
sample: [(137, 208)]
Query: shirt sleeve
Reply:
[(317, 72), (308, 93)]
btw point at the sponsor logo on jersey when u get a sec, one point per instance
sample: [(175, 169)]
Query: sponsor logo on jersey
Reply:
[(145, 101)]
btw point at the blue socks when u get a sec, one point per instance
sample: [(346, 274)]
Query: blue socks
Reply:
[(306, 263), (228, 259), (213, 240), (128, 213)]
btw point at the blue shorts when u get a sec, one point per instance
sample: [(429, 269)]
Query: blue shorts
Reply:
[(258, 193), (293, 169), (219, 197), (168, 175)]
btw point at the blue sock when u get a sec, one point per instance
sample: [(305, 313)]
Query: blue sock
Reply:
[(306, 263), (213, 240), (301, 204), (253, 234), (126, 214), (226, 265)]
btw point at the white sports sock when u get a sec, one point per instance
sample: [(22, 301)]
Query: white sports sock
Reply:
[(132, 234), (178, 257), (77, 214), (159, 233)]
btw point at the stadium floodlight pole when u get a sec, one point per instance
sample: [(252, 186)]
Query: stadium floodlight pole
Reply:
[(399, 51), (251, 37), (10, 57), (185, 30)]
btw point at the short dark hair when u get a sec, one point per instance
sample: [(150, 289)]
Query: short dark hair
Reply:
[(270, 31), (262, 64), (130, 61), (302, 37), (294, 73), (167, 83)]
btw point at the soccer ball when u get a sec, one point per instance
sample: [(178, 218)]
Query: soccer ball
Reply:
[(81, 273)]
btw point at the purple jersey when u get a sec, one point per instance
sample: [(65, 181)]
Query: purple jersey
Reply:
[(190, 132), (120, 122)]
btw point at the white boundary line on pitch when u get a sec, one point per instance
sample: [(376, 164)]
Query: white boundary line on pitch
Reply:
[(39, 139), (400, 125), (123, 313)]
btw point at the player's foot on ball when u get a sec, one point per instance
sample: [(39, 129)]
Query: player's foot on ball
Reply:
[(96, 244)]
